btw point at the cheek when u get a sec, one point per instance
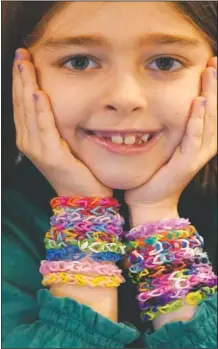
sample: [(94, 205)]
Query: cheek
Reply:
[(176, 101), (69, 103)]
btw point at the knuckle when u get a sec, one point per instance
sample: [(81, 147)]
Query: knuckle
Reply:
[(17, 103), (19, 145)]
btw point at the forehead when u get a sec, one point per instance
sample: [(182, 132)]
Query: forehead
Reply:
[(118, 19)]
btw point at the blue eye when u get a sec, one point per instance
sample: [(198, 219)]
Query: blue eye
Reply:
[(166, 64), (80, 62)]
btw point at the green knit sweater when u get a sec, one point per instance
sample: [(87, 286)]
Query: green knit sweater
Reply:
[(33, 318)]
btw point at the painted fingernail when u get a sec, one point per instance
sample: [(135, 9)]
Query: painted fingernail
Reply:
[(35, 96), (20, 67), (215, 73), (17, 55), (203, 103)]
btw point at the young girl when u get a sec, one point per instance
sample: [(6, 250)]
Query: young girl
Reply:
[(113, 103)]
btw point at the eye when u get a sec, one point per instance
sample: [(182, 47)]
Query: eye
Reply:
[(80, 62), (166, 64)]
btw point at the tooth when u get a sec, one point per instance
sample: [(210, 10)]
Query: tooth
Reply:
[(129, 139), (117, 139), (145, 137)]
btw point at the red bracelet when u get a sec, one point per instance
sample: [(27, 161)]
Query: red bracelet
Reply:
[(84, 202)]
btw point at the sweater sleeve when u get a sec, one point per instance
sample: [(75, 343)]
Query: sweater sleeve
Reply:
[(31, 316), (199, 332), (59, 323)]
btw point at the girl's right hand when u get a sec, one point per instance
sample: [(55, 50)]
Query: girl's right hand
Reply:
[(38, 138)]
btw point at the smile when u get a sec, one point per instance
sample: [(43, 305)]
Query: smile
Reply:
[(123, 142)]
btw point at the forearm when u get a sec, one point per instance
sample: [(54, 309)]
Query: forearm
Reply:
[(155, 213), (79, 261), (101, 300)]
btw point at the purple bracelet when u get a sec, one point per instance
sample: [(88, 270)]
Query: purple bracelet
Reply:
[(156, 227)]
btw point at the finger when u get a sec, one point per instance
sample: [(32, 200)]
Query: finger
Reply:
[(212, 62), (191, 143), (48, 133), (29, 83), (22, 54), (209, 91), (17, 92), (44, 115), (209, 82)]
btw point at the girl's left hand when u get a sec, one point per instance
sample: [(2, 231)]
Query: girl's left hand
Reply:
[(198, 146)]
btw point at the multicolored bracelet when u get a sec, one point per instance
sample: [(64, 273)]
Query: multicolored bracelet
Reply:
[(84, 229), (169, 266)]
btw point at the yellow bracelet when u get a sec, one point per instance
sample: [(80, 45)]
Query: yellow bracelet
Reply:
[(83, 280)]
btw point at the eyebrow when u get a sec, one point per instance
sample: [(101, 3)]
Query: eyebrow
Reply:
[(100, 41)]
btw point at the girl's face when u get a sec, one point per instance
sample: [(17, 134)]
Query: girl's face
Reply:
[(140, 70)]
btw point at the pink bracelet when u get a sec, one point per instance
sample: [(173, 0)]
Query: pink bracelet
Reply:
[(156, 227), (85, 266)]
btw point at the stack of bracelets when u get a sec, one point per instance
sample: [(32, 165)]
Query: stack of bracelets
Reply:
[(169, 266), (84, 242)]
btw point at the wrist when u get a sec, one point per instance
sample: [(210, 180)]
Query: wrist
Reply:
[(151, 213), (101, 300)]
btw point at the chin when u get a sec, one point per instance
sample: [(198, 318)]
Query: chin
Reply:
[(120, 180)]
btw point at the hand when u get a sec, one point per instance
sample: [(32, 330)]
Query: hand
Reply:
[(38, 138), (158, 198)]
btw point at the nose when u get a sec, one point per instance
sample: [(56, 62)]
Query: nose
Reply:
[(124, 96)]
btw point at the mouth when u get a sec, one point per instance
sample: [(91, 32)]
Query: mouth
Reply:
[(124, 142)]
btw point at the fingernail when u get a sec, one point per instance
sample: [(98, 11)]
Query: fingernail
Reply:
[(20, 67), (215, 73), (203, 103), (17, 55), (35, 96)]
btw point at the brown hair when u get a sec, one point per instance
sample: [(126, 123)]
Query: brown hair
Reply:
[(20, 20)]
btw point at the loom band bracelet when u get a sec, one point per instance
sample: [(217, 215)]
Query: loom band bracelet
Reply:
[(194, 298), (139, 277), (135, 268), (212, 282), (207, 278), (104, 238), (52, 244), (135, 279), (196, 243), (143, 229), (209, 291), (158, 248), (97, 247), (181, 293), (57, 255), (101, 236), (162, 281), (107, 256), (85, 202), (110, 248), (174, 306), (136, 256), (149, 316), (204, 268), (103, 229), (161, 259), (181, 284), (178, 274), (157, 273), (144, 296)]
